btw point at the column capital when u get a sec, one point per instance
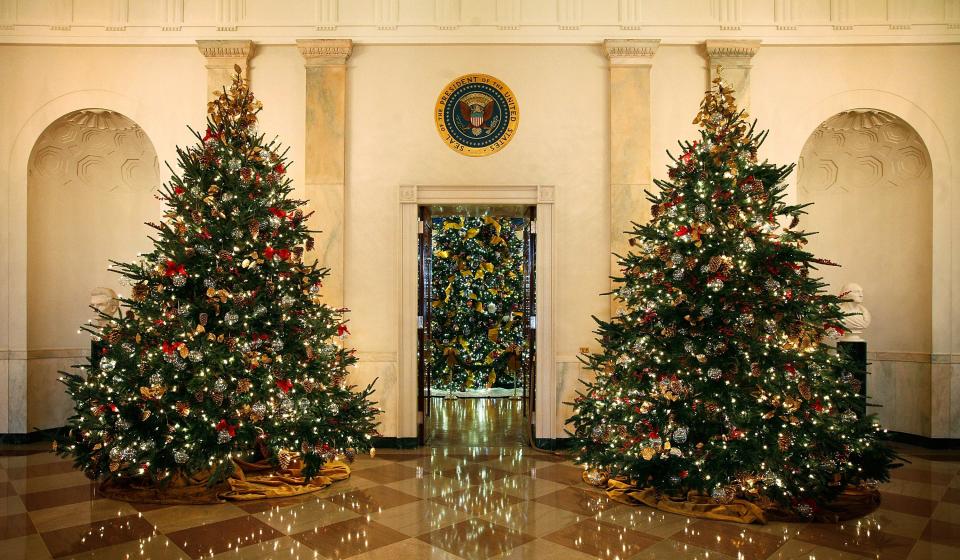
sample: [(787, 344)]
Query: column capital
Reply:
[(226, 53), (630, 52), (325, 52), (732, 48)]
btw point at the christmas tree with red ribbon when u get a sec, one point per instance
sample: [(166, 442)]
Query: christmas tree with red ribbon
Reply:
[(715, 378), (224, 348)]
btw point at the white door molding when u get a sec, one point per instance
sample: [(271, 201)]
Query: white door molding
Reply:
[(413, 196)]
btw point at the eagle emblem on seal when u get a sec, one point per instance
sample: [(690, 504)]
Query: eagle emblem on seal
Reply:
[(477, 110)]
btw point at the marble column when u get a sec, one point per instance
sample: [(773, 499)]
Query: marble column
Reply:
[(222, 57), (733, 57), (325, 147), (630, 62)]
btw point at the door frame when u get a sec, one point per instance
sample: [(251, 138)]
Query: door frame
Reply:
[(411, 197)]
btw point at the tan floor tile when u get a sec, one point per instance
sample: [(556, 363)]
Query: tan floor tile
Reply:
[(899, 523), (943, 533), (861, 536), (947, 512), (582, 501), (54, 518), (533, 518), (283, 548), (523, 486), (800, 550), (45, 469), (30, 547), (644, 519), (417, 518), (83, 538), (388, 473), (178, 518), (41, 483), (10, 505), (157, 547), (674, 550), (923, 473), (907, 504), (541, 549), (430, 485), (409, 549), (305, 516), (479, 501), (916, 489), (924, 550)]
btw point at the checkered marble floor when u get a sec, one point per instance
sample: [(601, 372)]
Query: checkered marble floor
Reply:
[(465, 503)]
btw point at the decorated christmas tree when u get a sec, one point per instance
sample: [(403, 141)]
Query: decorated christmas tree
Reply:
[(476, 320), (715, 377), (224, 349)]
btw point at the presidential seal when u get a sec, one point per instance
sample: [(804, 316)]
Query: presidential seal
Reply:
[(476, 115)]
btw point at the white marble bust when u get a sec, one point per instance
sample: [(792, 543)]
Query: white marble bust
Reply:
[(858, 317), (105, 301)]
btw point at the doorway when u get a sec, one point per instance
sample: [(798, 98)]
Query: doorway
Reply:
[(476, 337)]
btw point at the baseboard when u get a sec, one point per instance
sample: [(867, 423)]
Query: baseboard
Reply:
[(395, 442), (923, 441), (29, 437), (553, 444)]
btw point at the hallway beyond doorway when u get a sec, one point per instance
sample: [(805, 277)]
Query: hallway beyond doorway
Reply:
[(476, 422)]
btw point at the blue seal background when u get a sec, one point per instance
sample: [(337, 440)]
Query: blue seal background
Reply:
[(454, 120)]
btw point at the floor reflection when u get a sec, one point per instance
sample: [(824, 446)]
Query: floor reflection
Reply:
[(476, 422)]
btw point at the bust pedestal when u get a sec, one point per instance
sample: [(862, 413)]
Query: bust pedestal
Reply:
[(857, 351)]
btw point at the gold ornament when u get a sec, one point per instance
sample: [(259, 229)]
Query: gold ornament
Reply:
[(648, 453)]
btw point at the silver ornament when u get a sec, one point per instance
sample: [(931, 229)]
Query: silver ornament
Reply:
[(680, 434), (223, 436), (179, 281), (231, 317), (107, 364), (219, 385), (180, 456), (156, 379), (714, 373)]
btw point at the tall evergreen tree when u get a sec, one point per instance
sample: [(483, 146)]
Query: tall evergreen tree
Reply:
[(225, 348), (715, 377)]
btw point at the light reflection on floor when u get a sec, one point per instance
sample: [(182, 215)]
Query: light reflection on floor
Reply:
[(475, 422)]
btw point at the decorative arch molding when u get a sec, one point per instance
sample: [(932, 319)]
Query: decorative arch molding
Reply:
[(792, 132), (13, 238)]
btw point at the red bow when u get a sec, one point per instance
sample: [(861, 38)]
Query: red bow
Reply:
[(342, 329), (279, 168), (224, 426), (174, 268), (284, 385), (278, 212), (682, 231), (179, 190), (171, 348), (208, 135)]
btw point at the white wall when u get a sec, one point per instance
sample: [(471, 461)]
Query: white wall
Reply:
[(562, 140)]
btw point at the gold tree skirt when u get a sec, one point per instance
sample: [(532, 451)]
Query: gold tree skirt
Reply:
[(249, 481), (851, 503)]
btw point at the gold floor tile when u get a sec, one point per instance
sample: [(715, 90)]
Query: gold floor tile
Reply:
[(178, 518), (283, 548), (730, 539), (349, 538), (644, 519), (541, 549), (29, 547), (50, 519), (412, 549), (602, 540), (948, 512), (416, 518), (924, 550), (800, 550), (372, 500), (675, 550), (479, 501), (305, 516), (223, 536), (157, 547), (476, 539), (385, 474), (10, 505)]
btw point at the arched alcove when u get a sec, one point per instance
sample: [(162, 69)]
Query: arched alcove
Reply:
[(869, 176), (90, 178)]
